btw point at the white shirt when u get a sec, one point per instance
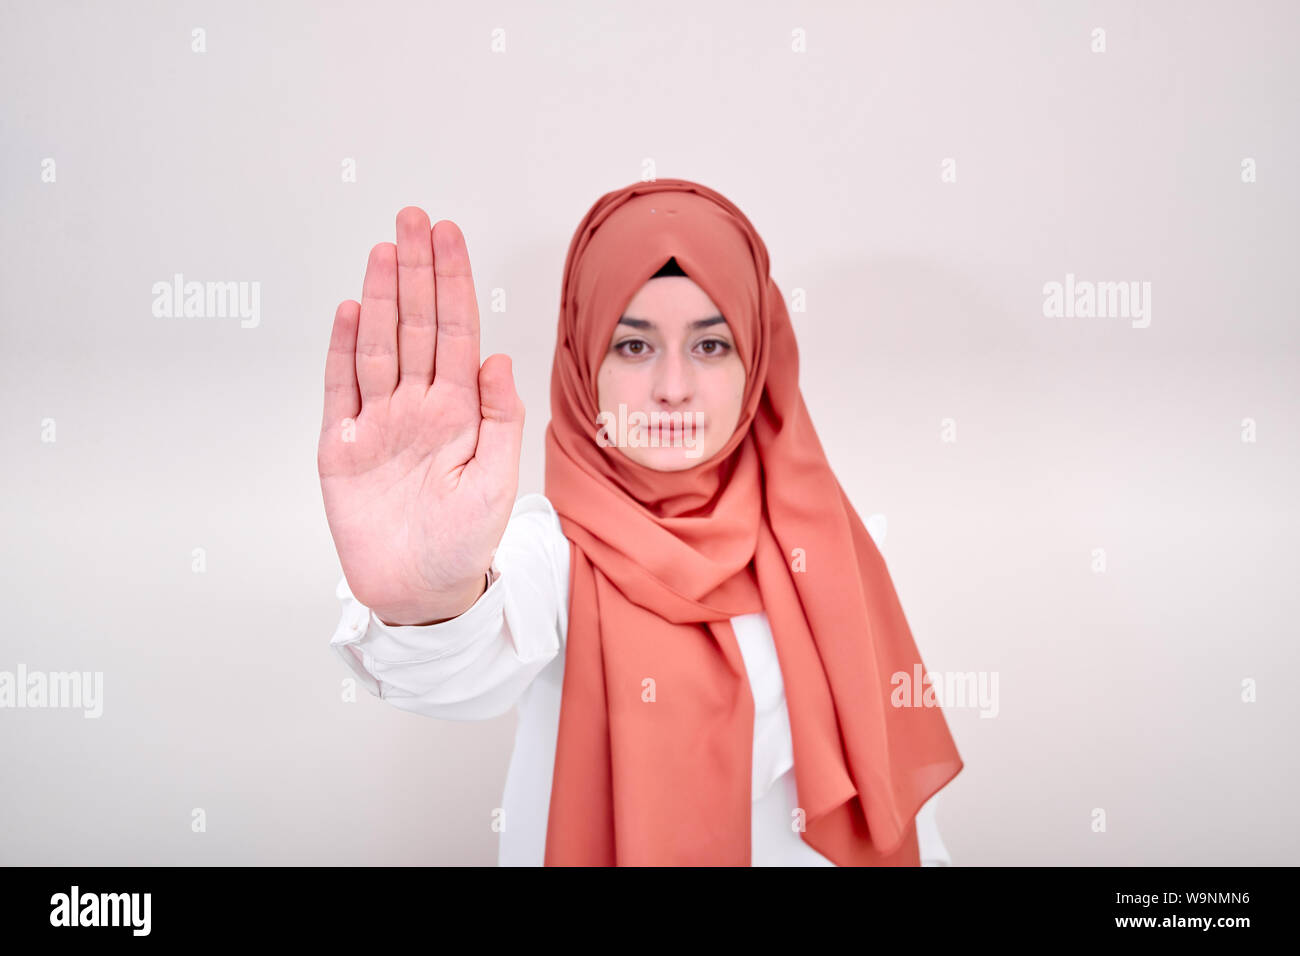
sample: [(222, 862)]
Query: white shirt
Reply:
[(508, 649)]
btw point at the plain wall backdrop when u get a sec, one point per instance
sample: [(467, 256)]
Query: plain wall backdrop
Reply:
[(1101, 514)]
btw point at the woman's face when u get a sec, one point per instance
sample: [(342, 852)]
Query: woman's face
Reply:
[(672, 354)]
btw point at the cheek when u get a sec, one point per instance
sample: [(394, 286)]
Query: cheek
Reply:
[(726, 394), (613, 385), (603, 384), (735, 388)]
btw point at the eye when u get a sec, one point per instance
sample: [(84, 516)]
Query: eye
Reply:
[(620, 350), (722, 346)]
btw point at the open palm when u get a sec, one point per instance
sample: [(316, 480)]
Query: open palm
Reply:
[(419, 445)]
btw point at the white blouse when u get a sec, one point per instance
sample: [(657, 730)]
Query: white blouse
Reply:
[(508, 649)]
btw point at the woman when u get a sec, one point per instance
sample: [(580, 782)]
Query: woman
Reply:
[(703, 635)]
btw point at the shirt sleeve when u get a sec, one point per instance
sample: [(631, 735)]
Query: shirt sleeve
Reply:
[(930, 844), (477, 665)]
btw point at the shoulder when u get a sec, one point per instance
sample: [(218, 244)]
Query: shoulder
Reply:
[(534, 519), (535, 511), (531, 503)]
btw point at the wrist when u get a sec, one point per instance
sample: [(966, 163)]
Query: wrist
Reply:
[(449, 610)]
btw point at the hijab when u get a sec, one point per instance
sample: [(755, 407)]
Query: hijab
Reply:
[(655, 741)]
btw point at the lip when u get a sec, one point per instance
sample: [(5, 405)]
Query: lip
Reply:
[(670, 439)]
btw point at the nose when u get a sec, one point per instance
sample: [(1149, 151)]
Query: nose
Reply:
[(674, 379)]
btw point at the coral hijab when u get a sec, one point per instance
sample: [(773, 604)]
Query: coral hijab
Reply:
[(655, 745)]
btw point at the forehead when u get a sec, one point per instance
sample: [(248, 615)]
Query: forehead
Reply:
[(674, 299)]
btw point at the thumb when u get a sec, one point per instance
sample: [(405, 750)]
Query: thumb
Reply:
[(500, 435)]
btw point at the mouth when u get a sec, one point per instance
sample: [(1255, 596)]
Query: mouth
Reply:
[(671, 434)]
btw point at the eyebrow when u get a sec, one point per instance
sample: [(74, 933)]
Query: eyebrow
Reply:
[(647, 324)]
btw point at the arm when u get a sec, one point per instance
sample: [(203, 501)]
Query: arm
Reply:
[(477, 665)]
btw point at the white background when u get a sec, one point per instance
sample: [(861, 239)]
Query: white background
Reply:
[(1118, 690)]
